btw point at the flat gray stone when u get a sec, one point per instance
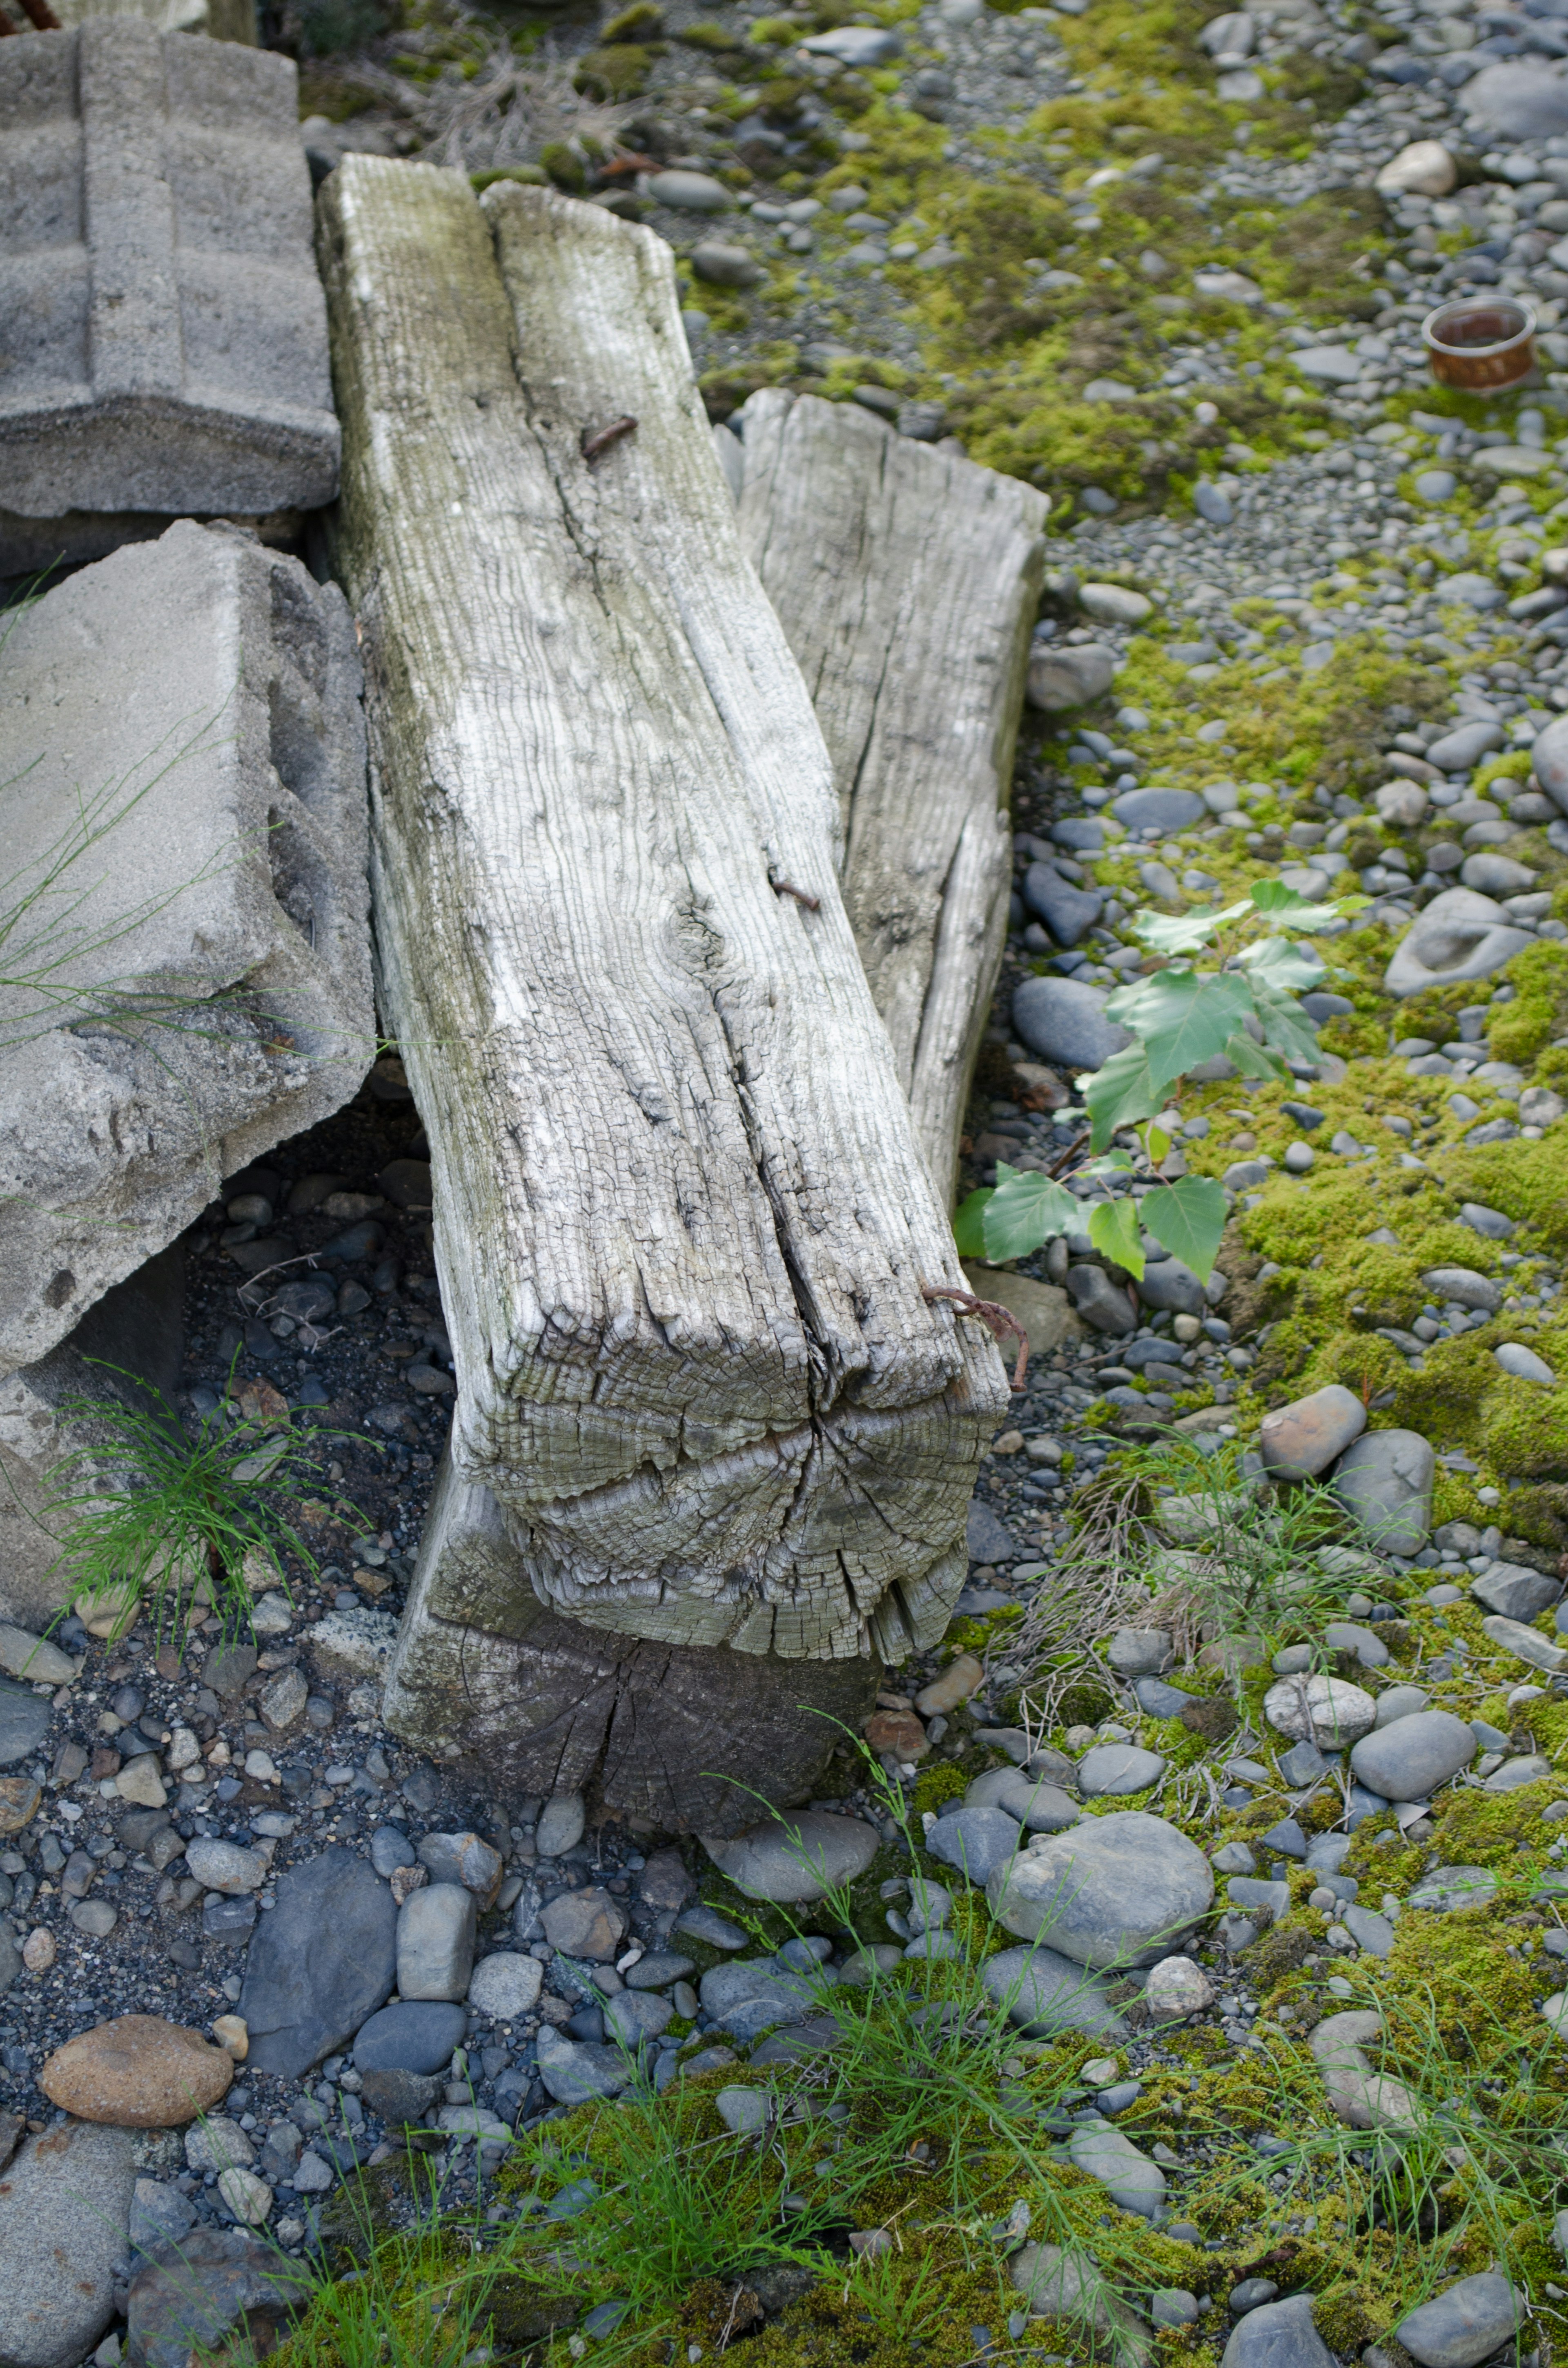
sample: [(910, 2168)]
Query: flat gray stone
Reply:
[(1251, 1894), (1459, 750), (1317, 1710), (1399, 1701), (1528, 1768), (1370, 1931), (696, 193), (1116, 1768), (189, 2293), (1409, 1760), (1526, 1643), (390, 1848), (23, 1722), (1066, 911), (573, 2071), (158, 2214), (1128, 2178), (1527, 101), (505, 1985), (1039, 1807), (706, 1925), (435, 1942), (1450, 1887), (223, 868), (561, 1824), (1461, 935), (64, 2222), (756, 1981), (1140, 1652), (1163, 809), (1063, 1022), (165, 373), (399, 2098), (746, 2110), (1169, 1287), (1384, 1481), (1103, 1304), (1465, 2323), (975, 1842), (225, 1866), (321, 1962), (634, 2016), (796, 1857), (1065, 2288), (1069, 677), (1525, 1365), (987, 1538), (1118, 1889), (587, 1924), (415, 2035), (1278, 2335), (1463, 1285), (1515, 1592)]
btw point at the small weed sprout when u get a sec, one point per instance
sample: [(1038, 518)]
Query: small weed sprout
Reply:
[(146, 1512)]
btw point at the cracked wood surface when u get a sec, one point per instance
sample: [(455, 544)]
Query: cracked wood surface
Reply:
[(686, 1736), (906, 581), (682, 1221)]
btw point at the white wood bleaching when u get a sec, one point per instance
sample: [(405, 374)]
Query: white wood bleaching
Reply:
[(907, 580), (683, 1225)]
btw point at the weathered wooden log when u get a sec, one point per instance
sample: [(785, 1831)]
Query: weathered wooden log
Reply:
[(906, 581), (690, 1737), (684, 1229)]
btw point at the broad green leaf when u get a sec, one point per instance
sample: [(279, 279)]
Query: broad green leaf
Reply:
[(1115, 1162), (1182, 933), (1024, 1211), (1113, 1229), (1188, 1217), (1280, 902), (1252, 1060), (1119, 1094), (969, 1224), (1186, 1019), (1159, 1143), (1272, 897), (1285, 1024), (1286, 968)]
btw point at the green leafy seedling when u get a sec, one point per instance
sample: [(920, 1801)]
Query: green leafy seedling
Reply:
[(1180, 1017)]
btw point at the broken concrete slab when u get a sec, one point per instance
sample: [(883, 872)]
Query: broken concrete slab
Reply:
[(162, 323), (183, 811), (224, 20), (128, 1348)]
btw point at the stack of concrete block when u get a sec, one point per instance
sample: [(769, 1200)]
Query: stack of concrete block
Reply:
[(224, 20), (184, 912), (161, 320)]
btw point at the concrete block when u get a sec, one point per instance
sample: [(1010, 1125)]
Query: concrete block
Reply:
[(129, 1347), (184, 902), (224, 20), (163, 329)]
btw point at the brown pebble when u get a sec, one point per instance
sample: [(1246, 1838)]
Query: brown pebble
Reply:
[(140, 2072), (898, 1731), (19, 1797)]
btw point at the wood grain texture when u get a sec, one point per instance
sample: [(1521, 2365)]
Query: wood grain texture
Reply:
[(682, 1223), (906, 581), (686, 1736)]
